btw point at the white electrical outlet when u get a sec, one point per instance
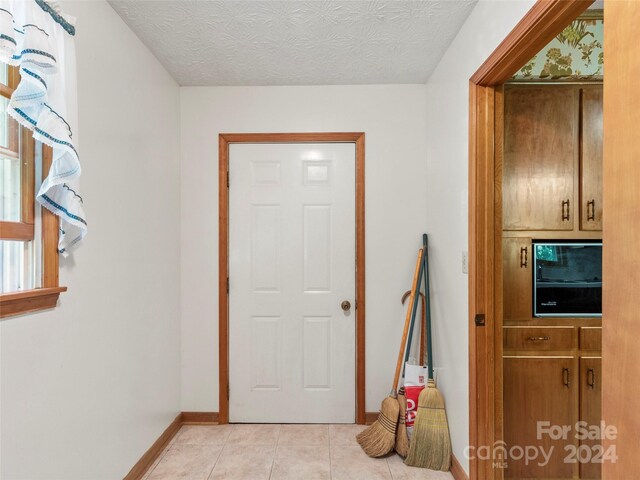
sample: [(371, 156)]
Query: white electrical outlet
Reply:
[(465, 262)]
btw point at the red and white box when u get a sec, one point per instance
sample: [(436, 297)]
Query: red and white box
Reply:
[(415, 378)]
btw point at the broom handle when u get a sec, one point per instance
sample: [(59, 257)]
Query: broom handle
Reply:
[(414, 310), (421, 358), (407, 320), (425, 259)]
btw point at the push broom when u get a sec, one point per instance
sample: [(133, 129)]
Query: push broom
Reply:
[(431, 443), (380, 438)]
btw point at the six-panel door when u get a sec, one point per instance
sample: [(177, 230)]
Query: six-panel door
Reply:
[(291, 265)]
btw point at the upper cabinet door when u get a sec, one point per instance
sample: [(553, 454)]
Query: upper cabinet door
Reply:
[(540, 157), (591, 160)]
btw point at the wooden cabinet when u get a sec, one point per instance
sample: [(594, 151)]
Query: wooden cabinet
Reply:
[(540, 339), (591, 339), (552, 159), (552, 374), (591, 159), (590, 412), (551, 189), (539, 389), (540, 152), (517, 260)]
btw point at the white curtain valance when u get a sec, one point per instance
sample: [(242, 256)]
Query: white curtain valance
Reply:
[(39, 40)]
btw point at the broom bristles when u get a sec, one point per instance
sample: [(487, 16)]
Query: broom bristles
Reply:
[(402, 441), (380, 438), (430, 443)]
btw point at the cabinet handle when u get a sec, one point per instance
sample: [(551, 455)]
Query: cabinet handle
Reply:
[(591, 216), (565, 212), (591, 378), (524, 257), (538, 339), (565, 377)]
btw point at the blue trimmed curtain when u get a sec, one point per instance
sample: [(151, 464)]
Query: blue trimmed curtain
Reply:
[(38, 38)]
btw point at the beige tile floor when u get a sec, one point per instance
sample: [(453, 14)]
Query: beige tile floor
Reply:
[(277, 452)]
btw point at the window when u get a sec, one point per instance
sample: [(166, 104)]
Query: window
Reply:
[(28, 233)]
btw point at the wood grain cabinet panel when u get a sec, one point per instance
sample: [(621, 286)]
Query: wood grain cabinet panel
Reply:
[(591, 339), (517, 278), (591, 413), (591, 159), (540, 157), (539, 389), (551, 188), (540, 338)]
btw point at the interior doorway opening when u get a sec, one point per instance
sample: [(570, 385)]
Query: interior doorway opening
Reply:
[(486, 302), (225, 140)]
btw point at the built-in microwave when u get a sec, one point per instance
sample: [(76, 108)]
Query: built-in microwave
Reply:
[(567, 279)]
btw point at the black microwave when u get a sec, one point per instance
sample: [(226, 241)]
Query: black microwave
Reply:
[(567, 279)]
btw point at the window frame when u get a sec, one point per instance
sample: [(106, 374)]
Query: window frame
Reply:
[(45, 297)]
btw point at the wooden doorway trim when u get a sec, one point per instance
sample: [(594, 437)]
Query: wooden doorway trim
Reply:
[(540, 25), (224, 140), (620, 353)]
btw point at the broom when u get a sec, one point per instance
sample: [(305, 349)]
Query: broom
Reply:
[(380, 438), (431, 443), (402, 439)]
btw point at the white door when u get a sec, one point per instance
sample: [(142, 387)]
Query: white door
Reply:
[(291, 265)]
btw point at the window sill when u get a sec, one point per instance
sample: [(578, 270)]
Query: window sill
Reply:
[(16, 303)]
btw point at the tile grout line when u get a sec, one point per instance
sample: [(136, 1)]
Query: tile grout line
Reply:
[(275, 451), (389, 467), (224, 445), (217, 460), (154, 465), (330, 467), (164, 452)]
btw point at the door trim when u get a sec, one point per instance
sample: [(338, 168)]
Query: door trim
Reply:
[(224, 139), (540, 25)]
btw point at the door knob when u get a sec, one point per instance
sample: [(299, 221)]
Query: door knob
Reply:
[(346, 305)]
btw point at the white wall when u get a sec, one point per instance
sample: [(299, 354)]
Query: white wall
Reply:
[(88, 387), (447, 187), (394, 120)]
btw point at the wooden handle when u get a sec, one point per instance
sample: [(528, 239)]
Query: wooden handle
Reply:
[(407, 320), (423, 326)]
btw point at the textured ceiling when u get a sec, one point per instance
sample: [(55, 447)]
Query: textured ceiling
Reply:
[(296, 42)]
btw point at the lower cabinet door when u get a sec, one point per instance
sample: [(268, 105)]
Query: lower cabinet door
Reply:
[(540, 416), (590, 451)]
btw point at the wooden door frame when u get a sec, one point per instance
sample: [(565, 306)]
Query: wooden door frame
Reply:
[(224, 139), (540, 25)]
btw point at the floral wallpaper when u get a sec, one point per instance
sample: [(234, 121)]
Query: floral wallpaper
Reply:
[(575, 54)]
